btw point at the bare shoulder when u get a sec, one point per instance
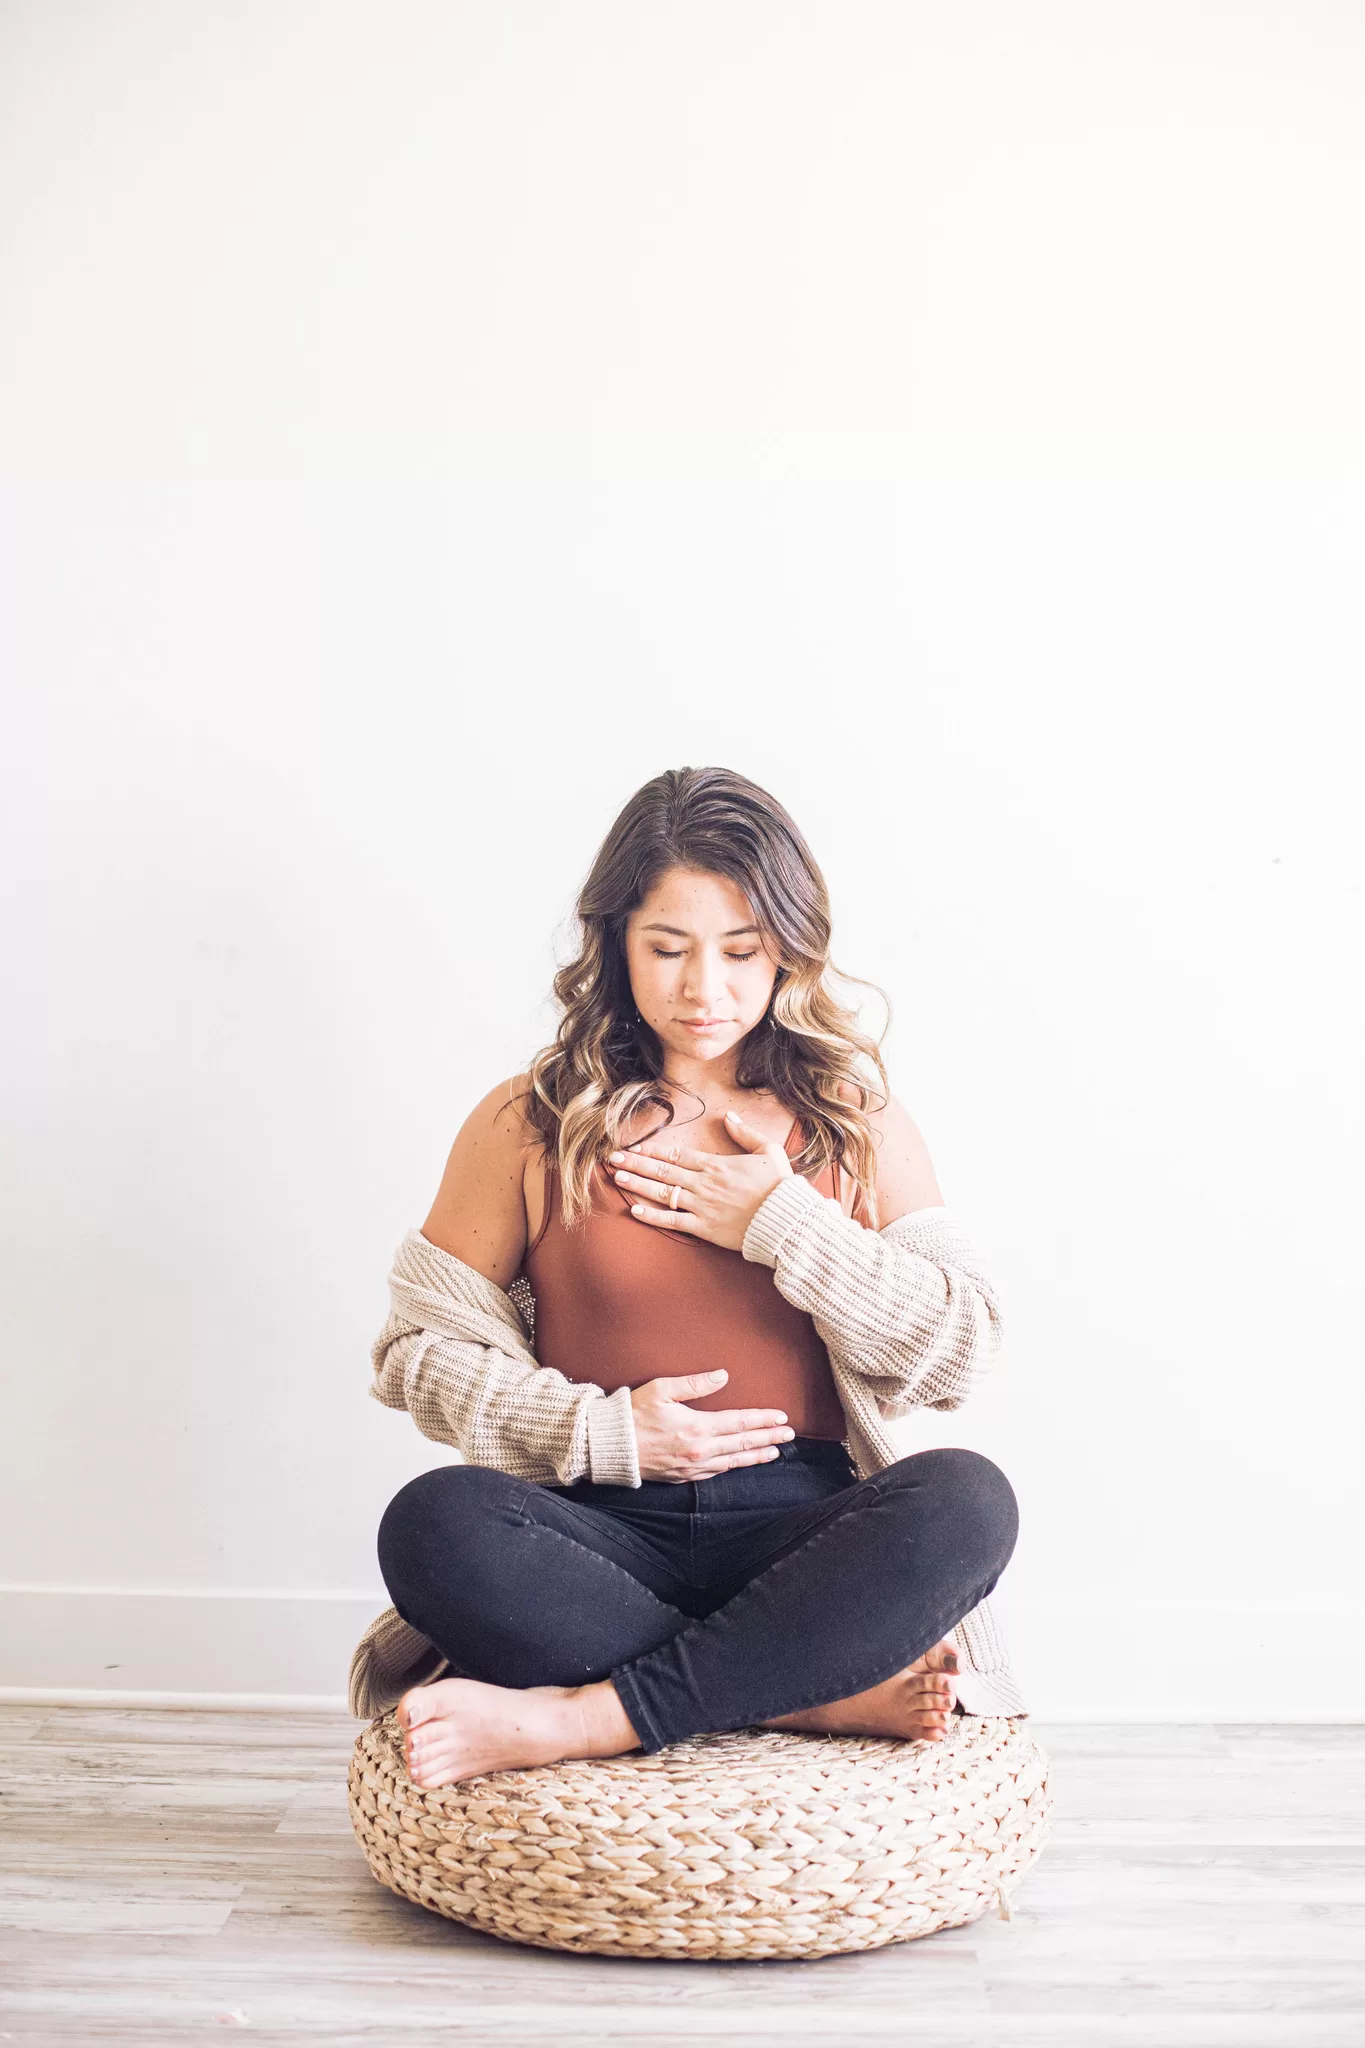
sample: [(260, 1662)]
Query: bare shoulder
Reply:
[(905, 1173), (479, 1214)]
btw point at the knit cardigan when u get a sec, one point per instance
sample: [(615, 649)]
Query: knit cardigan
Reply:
[(907, 1315)]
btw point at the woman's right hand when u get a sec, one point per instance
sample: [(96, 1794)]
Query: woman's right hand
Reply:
[(677, 1442)]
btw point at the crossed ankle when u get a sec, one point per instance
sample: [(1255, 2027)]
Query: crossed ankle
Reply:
[(601, 1723)]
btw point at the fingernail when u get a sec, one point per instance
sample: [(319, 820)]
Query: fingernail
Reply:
[(615, 1156)]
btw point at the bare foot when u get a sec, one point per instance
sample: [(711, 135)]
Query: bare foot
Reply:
[(459, 1727), (913, 1704)]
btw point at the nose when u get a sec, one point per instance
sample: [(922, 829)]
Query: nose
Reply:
[(704, 980)]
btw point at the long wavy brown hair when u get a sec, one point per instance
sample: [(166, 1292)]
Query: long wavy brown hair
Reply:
[(808, 1048)]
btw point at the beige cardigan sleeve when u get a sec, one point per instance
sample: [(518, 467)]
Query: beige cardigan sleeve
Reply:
[(908, 1309), (454, 1354)]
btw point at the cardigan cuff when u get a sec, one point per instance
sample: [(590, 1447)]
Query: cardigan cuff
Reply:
[(777, 1216), (613, 1455)]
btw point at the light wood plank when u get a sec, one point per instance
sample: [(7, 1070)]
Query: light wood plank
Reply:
[(1121, 1740), (124, 2017), (15, 1727), (290, 1734), (1223, 1831), (1203, 1886), (45, 1758), (108, 1903), (1323, 1741), (318, 1810), (1096, 1984)]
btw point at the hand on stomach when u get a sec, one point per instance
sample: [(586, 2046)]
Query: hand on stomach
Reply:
[(676, 1442)]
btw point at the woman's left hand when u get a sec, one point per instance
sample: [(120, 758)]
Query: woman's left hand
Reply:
[(719, 1193)]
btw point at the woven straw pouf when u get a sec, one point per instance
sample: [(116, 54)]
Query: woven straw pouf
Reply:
[(746, 1845)]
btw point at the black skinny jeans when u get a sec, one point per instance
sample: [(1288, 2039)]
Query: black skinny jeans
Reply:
[(712, 1603)]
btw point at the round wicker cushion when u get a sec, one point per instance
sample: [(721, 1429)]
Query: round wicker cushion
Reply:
[(754, 1844)]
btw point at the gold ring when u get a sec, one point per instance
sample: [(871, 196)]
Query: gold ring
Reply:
[(673, 1195)]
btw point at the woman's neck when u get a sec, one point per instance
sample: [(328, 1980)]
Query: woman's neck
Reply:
[(710, 1080)]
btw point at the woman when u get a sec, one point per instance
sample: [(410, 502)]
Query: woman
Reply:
[(682, 1512)]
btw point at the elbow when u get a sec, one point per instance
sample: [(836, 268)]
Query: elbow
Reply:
[(973, 1356), (944, 1374), (973, 1331), (386, 1382), (381, 1392), (395, 1356)]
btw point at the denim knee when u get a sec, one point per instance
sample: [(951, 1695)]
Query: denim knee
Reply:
[(975, 1493), (435, 1514)]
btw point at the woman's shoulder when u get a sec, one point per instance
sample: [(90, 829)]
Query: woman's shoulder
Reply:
[(497, 1127), (506, 1106), (479, 1214), (905, 1178)]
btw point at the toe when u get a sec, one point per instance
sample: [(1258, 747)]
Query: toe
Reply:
[(934, 1691), (415, 1707), (930, 1686), (426, 1769), (424, 1748)]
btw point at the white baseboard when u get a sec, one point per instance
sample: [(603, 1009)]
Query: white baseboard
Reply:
[(1188, 1660), (208, 1646), (189, 1702), (1076, 1660)]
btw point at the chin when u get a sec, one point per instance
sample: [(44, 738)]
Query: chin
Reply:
[(706, 1048)]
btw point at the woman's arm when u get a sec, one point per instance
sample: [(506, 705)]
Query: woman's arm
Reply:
[(909, 1308), (453, 1352), (905, 1177), (479, 1214), (468, 1379)]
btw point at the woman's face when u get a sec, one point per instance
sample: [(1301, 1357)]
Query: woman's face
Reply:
[(700, 971)]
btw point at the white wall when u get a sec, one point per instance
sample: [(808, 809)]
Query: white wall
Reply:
[(422, 423)]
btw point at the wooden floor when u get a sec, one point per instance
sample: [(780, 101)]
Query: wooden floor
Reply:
[(169, 1876)]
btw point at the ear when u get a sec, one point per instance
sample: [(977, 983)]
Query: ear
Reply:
[(742, 1134)]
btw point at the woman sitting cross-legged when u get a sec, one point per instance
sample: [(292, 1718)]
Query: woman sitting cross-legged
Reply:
[(681, 1510)]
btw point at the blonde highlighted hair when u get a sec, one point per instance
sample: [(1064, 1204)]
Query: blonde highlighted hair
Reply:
[(808, 1049)]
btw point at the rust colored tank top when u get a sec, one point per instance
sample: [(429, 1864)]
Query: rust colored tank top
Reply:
[(619, 1302)]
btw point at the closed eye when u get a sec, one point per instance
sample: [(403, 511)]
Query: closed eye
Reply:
[(660, 954)]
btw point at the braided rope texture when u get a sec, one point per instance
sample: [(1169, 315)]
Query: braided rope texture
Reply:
[(749, 1845)]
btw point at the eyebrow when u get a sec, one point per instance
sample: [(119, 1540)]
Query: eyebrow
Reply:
[(741, 931)]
